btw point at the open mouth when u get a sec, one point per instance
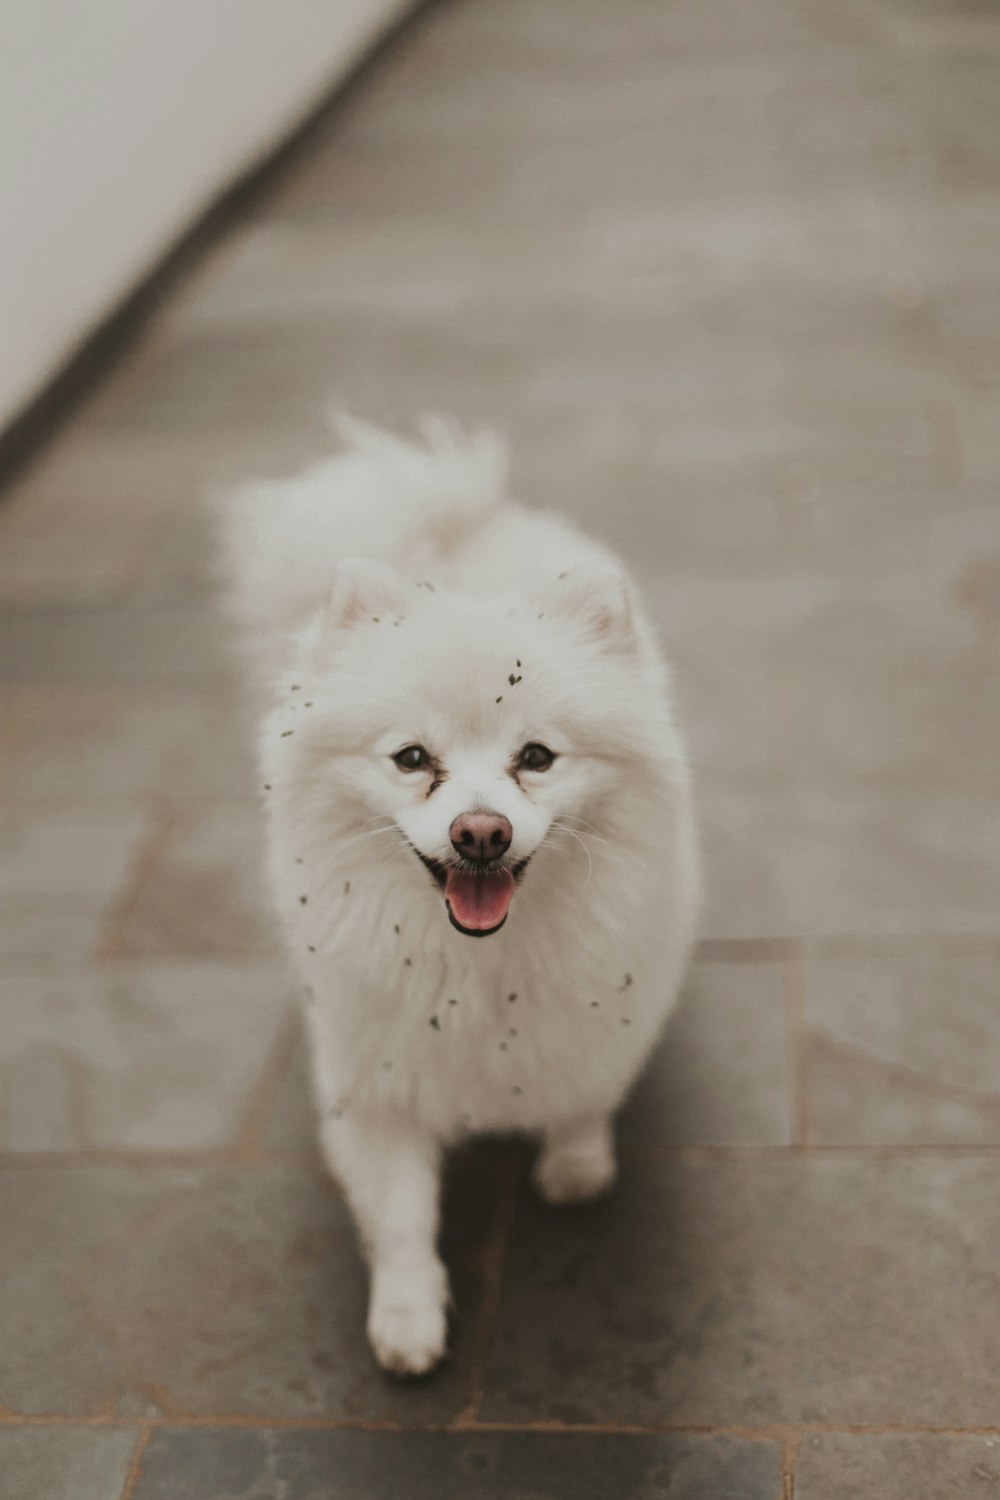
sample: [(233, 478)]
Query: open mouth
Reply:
[(478, 897)]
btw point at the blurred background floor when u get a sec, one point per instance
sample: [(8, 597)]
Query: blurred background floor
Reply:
[(729, 277)]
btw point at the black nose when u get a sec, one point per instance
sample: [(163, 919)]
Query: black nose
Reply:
[(481, 836)]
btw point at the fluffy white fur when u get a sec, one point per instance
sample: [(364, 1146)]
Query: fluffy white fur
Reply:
[(388, 597)]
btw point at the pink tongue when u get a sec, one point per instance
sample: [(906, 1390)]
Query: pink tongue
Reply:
[(479, 902)]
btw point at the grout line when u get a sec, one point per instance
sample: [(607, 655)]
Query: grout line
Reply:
[(135, 1464), (762, 950), (793, 994), (505, 1208), (789, 1464), (119, 912), (904, 1076), (239, 1156), (789, 1435), (829, 1151), (709, 951), (167, 1158), (832, 945), (264, 1094), (891, 945)]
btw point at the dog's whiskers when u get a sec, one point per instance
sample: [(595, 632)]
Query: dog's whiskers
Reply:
[(560, 827), (361, 838), (590, 831)]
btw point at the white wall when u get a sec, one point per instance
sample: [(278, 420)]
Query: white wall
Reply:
[(119, 121)]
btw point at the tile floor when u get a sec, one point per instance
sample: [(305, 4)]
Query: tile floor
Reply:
[(729, 275)]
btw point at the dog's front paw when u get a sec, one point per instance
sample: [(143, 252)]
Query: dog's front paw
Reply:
[(408, 1339), (408, 1321), (576, 1170)]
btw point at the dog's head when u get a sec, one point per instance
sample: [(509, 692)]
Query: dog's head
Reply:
[(478, 730)]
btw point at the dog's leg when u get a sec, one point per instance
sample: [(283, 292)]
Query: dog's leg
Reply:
[(390, 1173), (576, 1162)]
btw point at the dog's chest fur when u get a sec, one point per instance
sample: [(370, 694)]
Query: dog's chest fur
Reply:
[(522, 1028)]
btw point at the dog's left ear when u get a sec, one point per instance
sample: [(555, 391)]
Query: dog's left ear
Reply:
[(598, 596)]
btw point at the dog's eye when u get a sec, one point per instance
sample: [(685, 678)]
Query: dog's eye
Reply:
[(412, 758), (535, 757)]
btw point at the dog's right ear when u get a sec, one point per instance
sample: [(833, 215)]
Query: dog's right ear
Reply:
[(597, 595), (364, 590)]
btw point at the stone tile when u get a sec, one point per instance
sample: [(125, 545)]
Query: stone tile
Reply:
[(55, 1358), (804, 857), (545, 98), (737, 720), (932, 529), (979, 443), (182, 568), (894, 725), (538, 360), (931, 729), (745, 1293), (461, 1466), (177, 644), (105, 741), (204, 892), (135, 1056), (64, 1463), (221, 1291), (916, 1466), (719, 1075), (903, 1049), (68, 851), (39, 930), (620, 476), (107, 478), (820, 621), (69, 568)]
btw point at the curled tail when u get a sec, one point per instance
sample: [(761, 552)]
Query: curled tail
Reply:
[(381, 496)]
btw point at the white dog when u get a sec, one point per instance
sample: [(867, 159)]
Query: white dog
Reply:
[(481, 838)]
